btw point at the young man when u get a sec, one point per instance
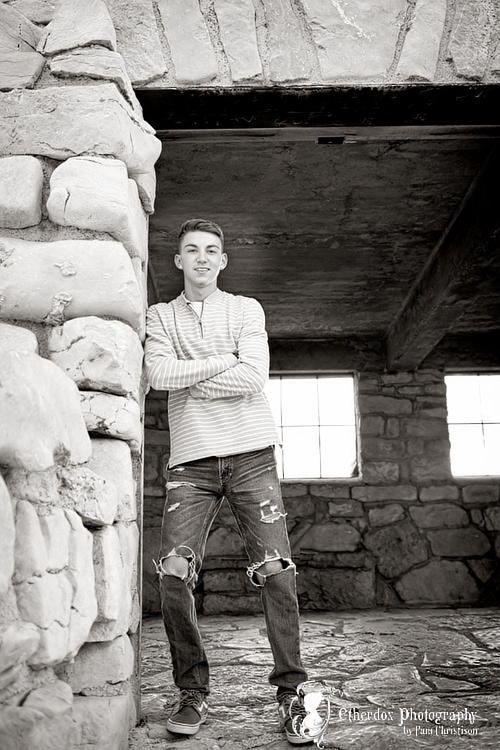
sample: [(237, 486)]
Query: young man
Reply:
[(209, 349)]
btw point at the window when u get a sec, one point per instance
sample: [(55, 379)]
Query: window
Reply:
[(474, 424), (316, 418)]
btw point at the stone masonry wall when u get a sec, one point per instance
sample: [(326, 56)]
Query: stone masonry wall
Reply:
[(404, 533), (76, 186), (213, 43)]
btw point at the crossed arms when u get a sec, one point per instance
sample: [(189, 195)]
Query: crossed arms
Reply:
[(218, 376)]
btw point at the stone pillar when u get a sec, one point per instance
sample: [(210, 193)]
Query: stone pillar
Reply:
[(76, 186)]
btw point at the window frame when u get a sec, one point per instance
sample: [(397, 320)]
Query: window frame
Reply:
[(317, 374), (469, 373)]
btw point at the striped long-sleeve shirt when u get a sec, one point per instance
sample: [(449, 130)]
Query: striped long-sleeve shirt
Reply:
[(215, 366)]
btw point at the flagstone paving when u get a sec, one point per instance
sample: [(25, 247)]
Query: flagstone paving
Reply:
[(397, 669)]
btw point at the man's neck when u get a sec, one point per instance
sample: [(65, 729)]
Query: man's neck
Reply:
[(194, 294)]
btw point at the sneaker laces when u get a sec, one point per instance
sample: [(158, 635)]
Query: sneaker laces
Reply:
[(304, 710), (190, 698)]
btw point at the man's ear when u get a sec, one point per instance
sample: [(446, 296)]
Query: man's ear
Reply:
[(223, 262), (178, 261)]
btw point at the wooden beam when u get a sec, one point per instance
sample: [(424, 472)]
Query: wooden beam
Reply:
[(437, 300), (321, 106), (346, 136)]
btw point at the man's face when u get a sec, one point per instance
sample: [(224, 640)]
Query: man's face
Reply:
[(201, 259)]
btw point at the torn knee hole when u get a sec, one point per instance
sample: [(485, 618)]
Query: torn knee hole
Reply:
[(177, 565), (260, 572)]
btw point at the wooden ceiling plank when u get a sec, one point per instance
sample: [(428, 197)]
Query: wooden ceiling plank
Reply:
[(465, 249)]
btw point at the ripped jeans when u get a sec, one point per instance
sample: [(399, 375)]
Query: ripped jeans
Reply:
[(195, 492)]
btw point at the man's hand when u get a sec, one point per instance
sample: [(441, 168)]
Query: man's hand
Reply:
[(197, 393)]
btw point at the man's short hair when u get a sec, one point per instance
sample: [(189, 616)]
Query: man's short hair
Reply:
[(201, 225)]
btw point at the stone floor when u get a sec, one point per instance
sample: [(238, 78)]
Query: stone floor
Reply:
[(402, 662)]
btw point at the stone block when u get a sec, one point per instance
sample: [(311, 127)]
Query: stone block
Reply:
[(287, 48), (397, 548), (492, 517), (428, 429), (114, 416), (382, 449), (81, 575), (146, 185), (129, 536), (474, 32), (76, 120), (192, 52), (44, 721), (93, 497), (35, 486), (49, 282), (336, 589), (430, 468), (329, 491), (439, 515), (372, 426), (480, 495), (396, 378), (483, 569), (100, 664), (384, 494), (377, 472), (224, 581), (355, 42), (56, 533), (30, 550), (387, 515), (331, 537), (45, 599), (115, 561), (239, 38), (77, 24), (216, 604), (104, 722), (108, 567), (53, 647), (21, 182), (7, 557), (20, 70), (40, 413), (96, 63), (98, 354), (442, 582), (477, 517), (467, 542), (18, 641), (91, 192), (137, 39), (112, 461), (38, 11), (16, 338), (345, 509), (16, 31), (439, 492), (384, 405), (225, 543)]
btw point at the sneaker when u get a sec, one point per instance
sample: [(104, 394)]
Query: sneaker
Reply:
[(291, 712), (189, 713)]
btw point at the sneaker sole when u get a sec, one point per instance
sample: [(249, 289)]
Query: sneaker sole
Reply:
[(184, 728), (294, 739)]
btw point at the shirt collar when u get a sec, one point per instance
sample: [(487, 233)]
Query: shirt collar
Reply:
[(217, 294)]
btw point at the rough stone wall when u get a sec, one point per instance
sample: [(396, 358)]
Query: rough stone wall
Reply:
[(184, 43), (76, 186), (404, 533)]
